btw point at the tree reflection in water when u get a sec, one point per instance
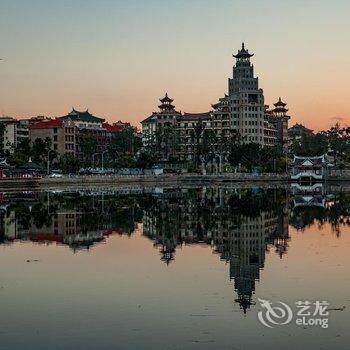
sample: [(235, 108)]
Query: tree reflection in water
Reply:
[(240, 225)]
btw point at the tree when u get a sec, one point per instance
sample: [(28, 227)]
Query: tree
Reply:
[(146, 160), (88, 147), (40, 150), (68, 163), (22, 152), (123, 147)]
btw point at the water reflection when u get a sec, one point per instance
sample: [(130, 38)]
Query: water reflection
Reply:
[(239, 225)]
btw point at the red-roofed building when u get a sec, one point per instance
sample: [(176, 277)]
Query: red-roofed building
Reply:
[(68, 133), (47, 124), (112, 128), (62, 134)]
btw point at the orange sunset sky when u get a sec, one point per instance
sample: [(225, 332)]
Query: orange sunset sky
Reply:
[(116, 58)]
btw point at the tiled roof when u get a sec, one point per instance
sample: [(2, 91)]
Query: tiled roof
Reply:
[(150, 118), (196, 116), (47, 124), (318, 160), (85, 116), (112, 128)]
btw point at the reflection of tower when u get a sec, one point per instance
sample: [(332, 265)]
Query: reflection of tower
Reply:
[(248, 255)]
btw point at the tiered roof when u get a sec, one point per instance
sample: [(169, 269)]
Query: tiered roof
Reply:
[(243, 53), (166, 98), (166, 103), (280, 106), (280, 103)]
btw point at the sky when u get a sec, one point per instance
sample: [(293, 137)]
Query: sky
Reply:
[(117, 58)]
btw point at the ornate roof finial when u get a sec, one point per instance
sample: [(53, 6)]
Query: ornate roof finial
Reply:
[(243, 46)]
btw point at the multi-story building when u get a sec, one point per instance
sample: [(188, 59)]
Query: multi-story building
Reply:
[(243, 110), (8, 134), (298, 130), (14, 131), (246, 100), (167, 116), (68, 133), (60, 134), (279, 119), (172, 133), (192, 128), (240, 113)]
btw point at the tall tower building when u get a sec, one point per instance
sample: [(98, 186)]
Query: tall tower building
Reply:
[(246, 100)]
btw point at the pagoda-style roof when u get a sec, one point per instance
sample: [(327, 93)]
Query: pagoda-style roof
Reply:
[(166, 106), (280, 103), (309, 161), (243, 53), (280, 110), (30, 166), (298, 128), (150, 119), (280, 107), (166, 98), (85, 116)]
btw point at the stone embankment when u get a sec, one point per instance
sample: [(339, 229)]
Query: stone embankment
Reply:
[(160, 179), (22, 184)]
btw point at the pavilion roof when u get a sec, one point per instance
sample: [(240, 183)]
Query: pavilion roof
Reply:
[(280, 103), (243, 53), (166, 98)]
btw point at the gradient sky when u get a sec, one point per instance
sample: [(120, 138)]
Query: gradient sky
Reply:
[(118, 57)]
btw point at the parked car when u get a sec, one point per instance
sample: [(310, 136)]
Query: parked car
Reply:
[(56, 173)]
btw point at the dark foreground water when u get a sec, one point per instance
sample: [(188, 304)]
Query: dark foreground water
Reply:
[(174, 269)]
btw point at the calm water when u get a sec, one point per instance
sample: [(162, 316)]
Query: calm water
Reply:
[(171, 269)]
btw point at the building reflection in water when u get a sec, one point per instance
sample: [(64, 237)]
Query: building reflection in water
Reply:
[(76, 220), (239, 225)]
